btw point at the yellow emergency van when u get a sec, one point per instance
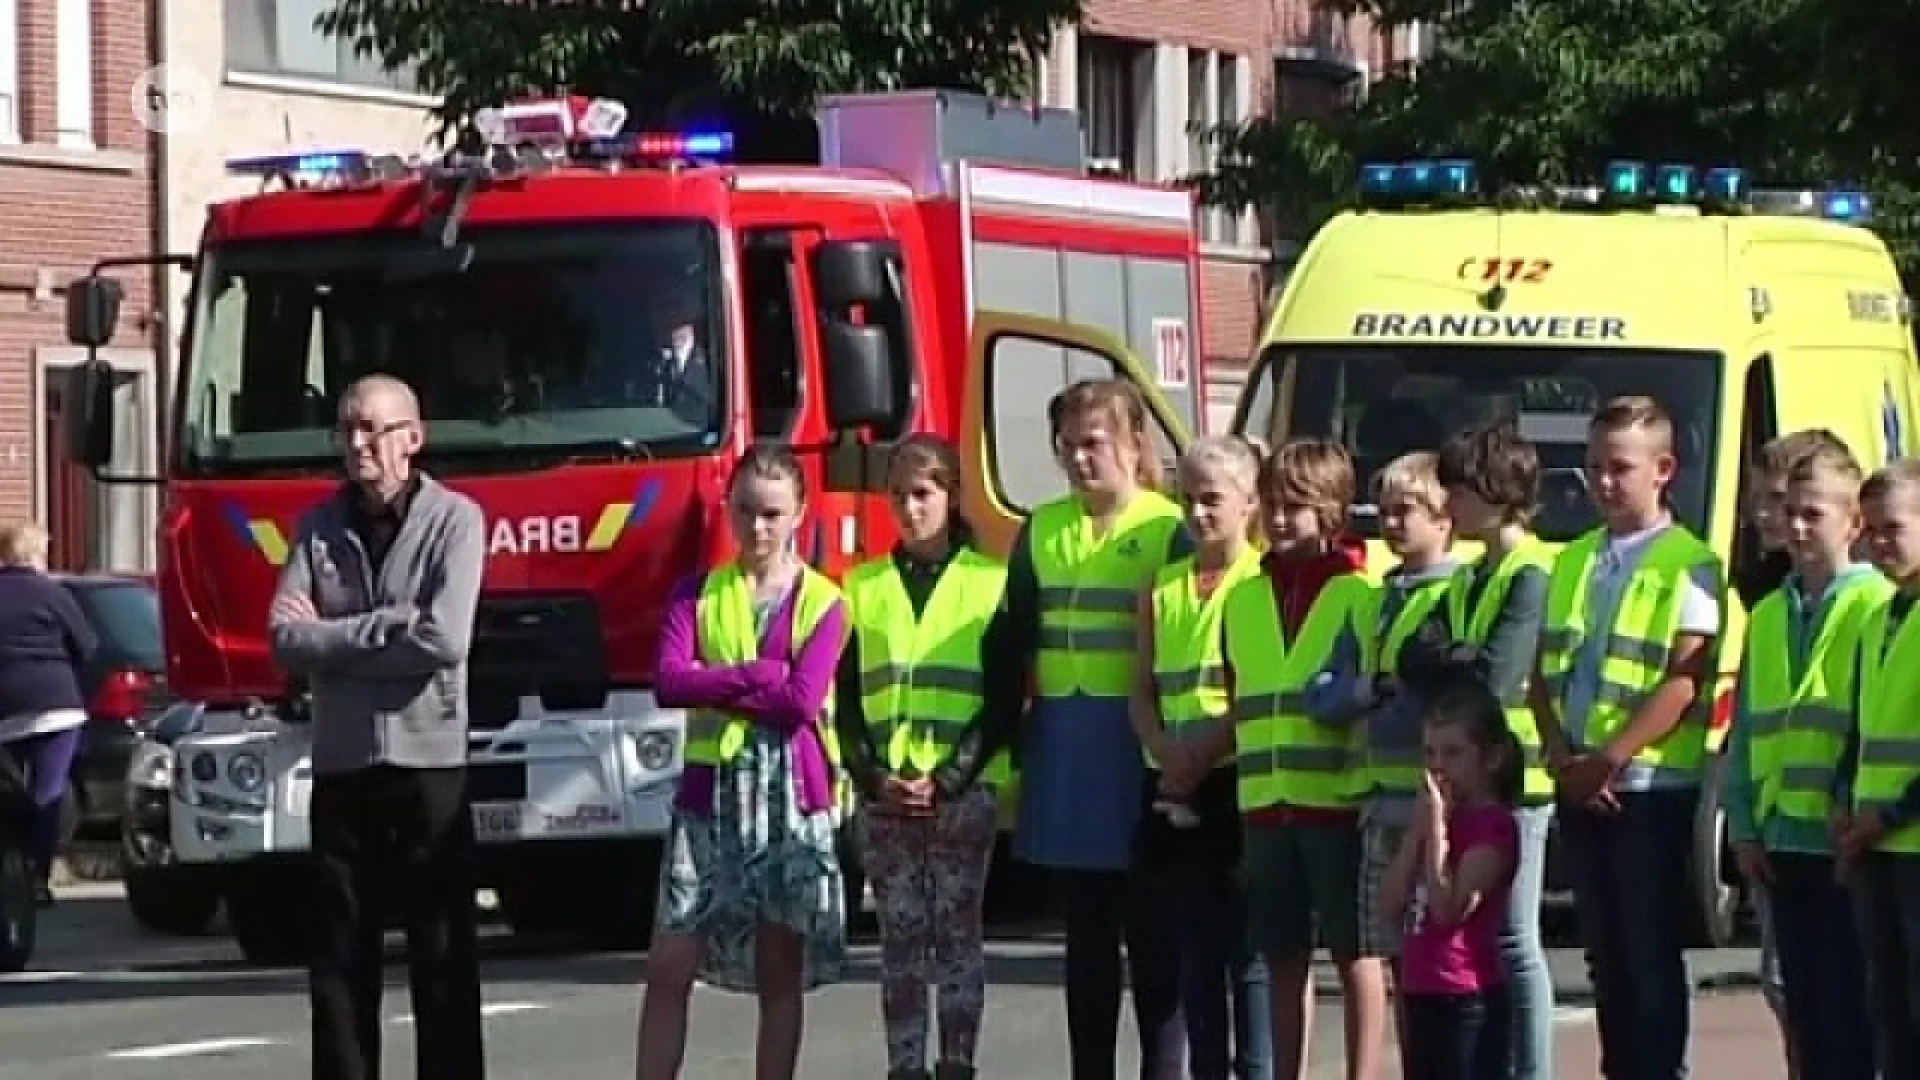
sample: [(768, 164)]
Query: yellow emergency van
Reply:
[(1747, 313)]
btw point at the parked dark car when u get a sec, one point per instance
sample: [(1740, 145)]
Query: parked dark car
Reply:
[(125, 687)]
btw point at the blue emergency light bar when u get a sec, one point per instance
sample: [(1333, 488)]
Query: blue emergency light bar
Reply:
[(659, 146), (1624, 184), (1414, 181), (305, 163)]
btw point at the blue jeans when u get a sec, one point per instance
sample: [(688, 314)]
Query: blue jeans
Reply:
[(1458, 1036), (1631, 895), (47, 760), (1529, 982), (1224, 988), (1887, 892), (1821, 970)]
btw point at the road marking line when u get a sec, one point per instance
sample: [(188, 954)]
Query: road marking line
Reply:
[(198, 1048), (492, 1008), (30, 977)]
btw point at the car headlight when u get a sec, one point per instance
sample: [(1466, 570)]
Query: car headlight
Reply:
[(204, 768), (247, 772), (151, 767), (655, 750)]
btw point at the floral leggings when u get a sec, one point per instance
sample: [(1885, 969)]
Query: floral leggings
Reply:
[(929, 880)]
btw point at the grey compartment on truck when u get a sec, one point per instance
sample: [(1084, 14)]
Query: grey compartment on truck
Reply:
[(915, 134)]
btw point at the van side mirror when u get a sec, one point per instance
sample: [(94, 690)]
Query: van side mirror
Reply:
[(87, 402), (860, 391), (93, 310), (847, 273)]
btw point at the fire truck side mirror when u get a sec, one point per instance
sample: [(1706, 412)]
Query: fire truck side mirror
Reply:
[(87, 407), (848, 273), (93, 310), (860, 390)]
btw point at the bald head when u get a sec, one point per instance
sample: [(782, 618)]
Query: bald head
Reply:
[(383, 393), (379, 434)]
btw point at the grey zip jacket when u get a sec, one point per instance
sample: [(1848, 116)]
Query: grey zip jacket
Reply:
[(387, 658)]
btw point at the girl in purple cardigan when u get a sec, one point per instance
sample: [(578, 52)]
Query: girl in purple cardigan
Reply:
[(750, 890)]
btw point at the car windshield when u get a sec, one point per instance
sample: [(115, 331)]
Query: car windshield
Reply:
[(1383, 402), (126, 616), (553, 342)]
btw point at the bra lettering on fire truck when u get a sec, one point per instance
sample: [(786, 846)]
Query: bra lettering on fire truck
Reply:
[(535, 534)]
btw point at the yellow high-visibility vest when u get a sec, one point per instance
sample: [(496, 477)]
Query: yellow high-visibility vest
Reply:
[(1889, 722), (1798, 720), (1090, 589), (1189, 660), (1476, 626), (1639, 644), (921, 682), (1283, 756), (1387, 767)]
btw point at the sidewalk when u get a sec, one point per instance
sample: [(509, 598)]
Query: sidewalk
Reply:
[(1734, 1036)]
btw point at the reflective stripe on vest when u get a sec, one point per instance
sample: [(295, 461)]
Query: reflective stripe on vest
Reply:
[(1090, 591), (1189, 662), (1637, 646), (1392, 762), (1889, 723), (1476, 626), (1283, 756), (1798, 716), (729, 635), (921, 684)]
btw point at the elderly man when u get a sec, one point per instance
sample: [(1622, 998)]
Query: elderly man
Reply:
[(375, 609)]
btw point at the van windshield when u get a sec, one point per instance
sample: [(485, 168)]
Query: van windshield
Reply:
[(1384, 402), (554, 343)]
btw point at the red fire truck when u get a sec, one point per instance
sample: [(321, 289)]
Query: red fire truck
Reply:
[(945, 265)]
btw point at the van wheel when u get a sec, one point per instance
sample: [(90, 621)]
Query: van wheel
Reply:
[(19, 909), (170, 903), (1718, 896)]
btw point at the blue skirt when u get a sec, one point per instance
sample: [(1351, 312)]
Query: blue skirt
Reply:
[(1081, 777)]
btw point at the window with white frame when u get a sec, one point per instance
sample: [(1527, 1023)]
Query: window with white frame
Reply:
[(278, 37), (9, 71), (73, 74), (1114, 97), (1219, 94)]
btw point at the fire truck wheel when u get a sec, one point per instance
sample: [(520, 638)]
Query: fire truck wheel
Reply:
[(170, 903), (1718, 897), (263, 905)]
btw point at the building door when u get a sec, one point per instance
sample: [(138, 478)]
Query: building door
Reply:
[(70, 494)]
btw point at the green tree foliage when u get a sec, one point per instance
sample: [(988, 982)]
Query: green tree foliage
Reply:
[(1800, 92), (673, 59)]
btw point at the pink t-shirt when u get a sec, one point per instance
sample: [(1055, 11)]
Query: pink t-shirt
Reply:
[(1463, 958)]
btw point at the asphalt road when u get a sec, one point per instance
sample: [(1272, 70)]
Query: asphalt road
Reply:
[(109, 1001)]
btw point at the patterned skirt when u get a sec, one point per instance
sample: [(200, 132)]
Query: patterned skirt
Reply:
[(756, 859)]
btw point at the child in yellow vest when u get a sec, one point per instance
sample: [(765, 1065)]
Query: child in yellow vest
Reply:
[(1190, 843), (1880, 839), (1620, 693), (1795, 706)]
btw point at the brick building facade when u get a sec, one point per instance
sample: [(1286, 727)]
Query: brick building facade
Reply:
[(1149, 75), (74, 187)]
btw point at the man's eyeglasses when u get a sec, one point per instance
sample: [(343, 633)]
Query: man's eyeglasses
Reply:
[(353, 433)]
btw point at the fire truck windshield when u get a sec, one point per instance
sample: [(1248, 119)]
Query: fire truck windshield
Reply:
[(553, 344)]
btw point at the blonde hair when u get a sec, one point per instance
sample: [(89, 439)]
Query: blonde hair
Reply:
[(1121, 402), (1897, 475), (23, 543), (1827, 460), (1226, 455), (1317, 473), (1414, 476), (1634, 411), (1783, 453)]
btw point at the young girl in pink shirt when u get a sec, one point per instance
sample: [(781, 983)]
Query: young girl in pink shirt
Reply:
[(1450, 880)]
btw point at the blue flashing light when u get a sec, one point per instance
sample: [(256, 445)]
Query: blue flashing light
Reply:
[(1626, 180), (1415, 180), (672, 144), (1726, 186), (308, 163), (1675, 183), (1848, 207)]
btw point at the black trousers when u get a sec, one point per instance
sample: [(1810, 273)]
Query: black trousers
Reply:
[(1108, 912), (387, 838)]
